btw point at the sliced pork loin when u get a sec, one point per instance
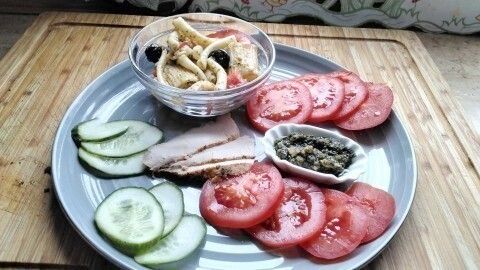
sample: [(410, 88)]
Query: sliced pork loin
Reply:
[(213, 170), (241, 148), (232, 158), (221, 131)]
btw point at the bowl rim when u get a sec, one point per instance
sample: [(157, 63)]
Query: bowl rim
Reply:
[(322, 178), (181, 91)]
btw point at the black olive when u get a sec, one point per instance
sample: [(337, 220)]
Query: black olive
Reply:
[(221, 57), (153, 53)]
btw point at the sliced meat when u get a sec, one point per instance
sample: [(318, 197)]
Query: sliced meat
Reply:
[(214, 170), (193, 141), (241, 148)]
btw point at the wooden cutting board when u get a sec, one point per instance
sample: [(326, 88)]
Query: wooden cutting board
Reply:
[(62, 52)]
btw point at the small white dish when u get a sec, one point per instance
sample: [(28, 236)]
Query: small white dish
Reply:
[(357, 168)]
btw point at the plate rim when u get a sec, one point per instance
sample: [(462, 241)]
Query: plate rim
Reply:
[(120, 66)]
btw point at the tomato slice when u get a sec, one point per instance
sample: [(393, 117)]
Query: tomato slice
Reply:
[(373, 112), (345, 227), (379, 206), (299, 217), (355, 92), (240, 36), (335, 197), (281, 102), (234, 78), (242, 201), (327, 93)]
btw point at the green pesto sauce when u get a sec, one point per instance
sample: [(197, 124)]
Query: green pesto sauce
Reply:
[(321, 154)]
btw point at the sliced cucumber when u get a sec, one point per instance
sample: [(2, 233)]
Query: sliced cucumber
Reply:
[(139, 137), (171, 198), (182, 241), (131, 218), (96, 130), (121, 166)]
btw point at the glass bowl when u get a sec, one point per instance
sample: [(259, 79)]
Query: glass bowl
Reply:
[(194, 102)]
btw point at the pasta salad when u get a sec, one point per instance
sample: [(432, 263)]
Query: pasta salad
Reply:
[(194, 61)]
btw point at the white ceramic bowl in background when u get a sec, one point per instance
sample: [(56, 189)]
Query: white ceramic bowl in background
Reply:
[(357, 168)]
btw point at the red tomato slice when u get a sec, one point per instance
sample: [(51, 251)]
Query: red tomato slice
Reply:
[(242, 201), (355, 92), (374, 111), (327, 93), (346, 225), (234, 78), (281, 102), (240, 36), (379, 206), (335, 197), (299, 217)]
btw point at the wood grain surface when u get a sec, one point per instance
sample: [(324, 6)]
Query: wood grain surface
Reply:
[(62, 52), (458, 58)]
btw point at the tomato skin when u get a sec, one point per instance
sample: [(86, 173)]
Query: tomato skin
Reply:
[(355, 92), (239, 35), (335, 197), (327, 94), (379, 206), (345, 227), (277, 103), (234, 78), (299, 217), (242, 201), (373, 112)]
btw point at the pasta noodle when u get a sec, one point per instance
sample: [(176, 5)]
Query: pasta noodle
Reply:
[(185, 62), (220, 72), (160, 65), (218, 44), (184, 50), (184, 29), (203, 85), (196, 52), (210, 75), (173, 41)]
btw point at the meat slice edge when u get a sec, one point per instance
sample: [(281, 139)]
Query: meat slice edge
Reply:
[(217, 132), (213, 170), (241, 148)]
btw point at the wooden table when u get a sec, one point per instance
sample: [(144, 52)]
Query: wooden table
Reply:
[(62, 52)]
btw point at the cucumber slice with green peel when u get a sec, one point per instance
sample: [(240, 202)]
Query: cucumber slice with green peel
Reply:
[(122, 166), (180, 243), (96, 130), (139, 137), (131, 218), (170, 197)]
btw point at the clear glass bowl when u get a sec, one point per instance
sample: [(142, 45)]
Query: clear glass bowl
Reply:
[(199, 103)]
